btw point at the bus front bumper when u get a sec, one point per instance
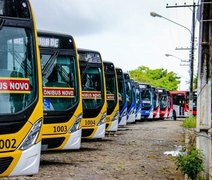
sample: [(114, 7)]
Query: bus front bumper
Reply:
[(113, 126), (131, 118), (100, 132), (123, 121), (29, 161), (74, 142)]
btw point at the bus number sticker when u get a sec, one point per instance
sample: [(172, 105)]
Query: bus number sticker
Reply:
[(91, 95), (89, 122), (15, 85), (58, 92), (107, 119), (7, 144), (59, 129)]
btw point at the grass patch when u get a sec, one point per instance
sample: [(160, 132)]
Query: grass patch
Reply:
[(190, 122)]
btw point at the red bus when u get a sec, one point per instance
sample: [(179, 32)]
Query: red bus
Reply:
[(181, 103)]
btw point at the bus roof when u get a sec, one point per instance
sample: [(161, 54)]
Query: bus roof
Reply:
[(108, 62), (87, 50), (15, 9), (52, 33), (47, 39)]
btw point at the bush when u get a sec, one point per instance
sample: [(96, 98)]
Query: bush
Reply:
[(190, 122), (191, 162)]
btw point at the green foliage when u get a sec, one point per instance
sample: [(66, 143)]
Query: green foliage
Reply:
[(195, 82), (190, 163), (156, 77), (190, 122)]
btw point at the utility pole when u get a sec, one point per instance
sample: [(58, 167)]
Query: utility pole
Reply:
[(204, 86), (192, 53)]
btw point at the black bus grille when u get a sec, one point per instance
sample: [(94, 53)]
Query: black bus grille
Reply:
[(9, 128), (107, 126), (53, 142), (87, 132), (5, 163)]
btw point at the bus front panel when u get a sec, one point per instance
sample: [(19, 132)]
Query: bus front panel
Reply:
[(93, 95), (122, 98), (112, 97), (61, 92), (21, 111)]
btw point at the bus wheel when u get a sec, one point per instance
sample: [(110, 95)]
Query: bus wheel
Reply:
[(174, 116)]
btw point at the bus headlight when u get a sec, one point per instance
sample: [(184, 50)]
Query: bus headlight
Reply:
[(31, 137), (76, 124), (116, 116), (132, 111), (124, 113), (102, 120)]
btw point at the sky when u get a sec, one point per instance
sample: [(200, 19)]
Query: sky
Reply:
[(123, 30)]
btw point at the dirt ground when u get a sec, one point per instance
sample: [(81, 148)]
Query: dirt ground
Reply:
[(135, 152)]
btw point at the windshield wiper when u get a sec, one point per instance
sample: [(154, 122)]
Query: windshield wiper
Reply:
[(2, 21), (49, 65), (86, 67)]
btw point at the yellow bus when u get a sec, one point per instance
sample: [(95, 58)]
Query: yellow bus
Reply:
[(62, 100), (93, 94), (21, 112), (112, 97)]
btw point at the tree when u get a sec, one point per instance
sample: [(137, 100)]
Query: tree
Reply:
[(156, 77)]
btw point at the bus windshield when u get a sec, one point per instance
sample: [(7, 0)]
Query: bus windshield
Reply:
[(60, 88), (122, 93), (92, 87), (138, 95), (17, 83), (111, 91), (179, 99), (146, 98), (163, 101), (129, 92), (155, 100)]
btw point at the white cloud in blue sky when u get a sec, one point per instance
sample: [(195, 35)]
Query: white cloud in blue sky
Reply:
[(122, 30)]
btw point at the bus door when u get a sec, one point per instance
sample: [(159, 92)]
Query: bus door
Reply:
[(122, 97), (93, 94), (61, 92), (112, 97), (21, 113)]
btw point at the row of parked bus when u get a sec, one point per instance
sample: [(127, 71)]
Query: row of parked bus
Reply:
[(52, 93)]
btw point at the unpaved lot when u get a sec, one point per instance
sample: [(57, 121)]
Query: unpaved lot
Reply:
[(135, 152)]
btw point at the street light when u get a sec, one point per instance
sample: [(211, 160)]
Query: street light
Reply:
[(192, 33), (154, 14), (170, 55)]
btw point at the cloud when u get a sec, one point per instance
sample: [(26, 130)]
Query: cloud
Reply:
[(78, 17)]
